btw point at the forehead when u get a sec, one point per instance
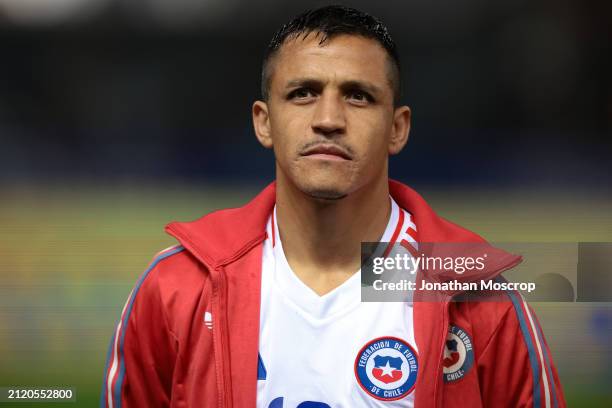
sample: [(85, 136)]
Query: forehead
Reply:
[(343, 57)]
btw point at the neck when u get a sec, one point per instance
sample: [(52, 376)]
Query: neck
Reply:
[(322, 238)]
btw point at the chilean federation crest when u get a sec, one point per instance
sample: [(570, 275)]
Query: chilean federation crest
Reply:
[(386, 368), (458, 354)]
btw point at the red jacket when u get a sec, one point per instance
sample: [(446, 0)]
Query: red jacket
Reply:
[(188, 334)]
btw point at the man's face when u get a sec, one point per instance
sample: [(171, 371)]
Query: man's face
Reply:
[(330, 115)]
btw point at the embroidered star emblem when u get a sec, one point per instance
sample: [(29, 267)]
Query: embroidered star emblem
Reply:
[(387, 370)]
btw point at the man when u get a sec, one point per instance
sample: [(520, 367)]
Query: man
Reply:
[(260, 305)]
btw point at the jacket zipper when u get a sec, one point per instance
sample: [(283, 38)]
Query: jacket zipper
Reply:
[(437, 402), (217, 332)]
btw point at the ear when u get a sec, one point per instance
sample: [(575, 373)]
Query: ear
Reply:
[(400, 130), (261, 123)]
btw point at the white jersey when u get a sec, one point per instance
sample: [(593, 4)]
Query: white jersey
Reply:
[(333, 350)]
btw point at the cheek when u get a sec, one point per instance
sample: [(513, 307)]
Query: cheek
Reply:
[(284, 144), (289, 133), (372, 142)]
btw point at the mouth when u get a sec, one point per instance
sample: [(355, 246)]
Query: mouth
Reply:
[(327, 152)]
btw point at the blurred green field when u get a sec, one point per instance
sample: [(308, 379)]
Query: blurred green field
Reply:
[(70, 255)]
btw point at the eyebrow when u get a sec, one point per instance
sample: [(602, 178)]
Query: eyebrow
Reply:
[(345, 85)]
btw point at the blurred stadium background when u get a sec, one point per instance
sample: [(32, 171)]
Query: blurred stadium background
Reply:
[(118, 116)]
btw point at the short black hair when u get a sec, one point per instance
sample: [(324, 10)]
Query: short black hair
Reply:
[(328, 22)]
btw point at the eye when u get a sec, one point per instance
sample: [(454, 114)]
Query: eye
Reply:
[(360, 96), (300, 93)]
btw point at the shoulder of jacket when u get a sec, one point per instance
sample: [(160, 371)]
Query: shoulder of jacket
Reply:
[(176, 274), (177, 267)]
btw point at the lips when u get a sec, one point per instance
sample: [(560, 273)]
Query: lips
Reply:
[(327, 150)]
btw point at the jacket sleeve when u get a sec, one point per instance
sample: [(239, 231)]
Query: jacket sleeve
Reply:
[(142, 351), (516, 368)]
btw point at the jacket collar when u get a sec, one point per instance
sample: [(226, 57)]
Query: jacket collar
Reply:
[(221, 236)]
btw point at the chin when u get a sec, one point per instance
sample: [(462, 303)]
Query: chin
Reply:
[(326, 195), (324, 191)]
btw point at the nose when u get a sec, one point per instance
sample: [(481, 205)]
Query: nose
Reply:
[(329, 116)]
